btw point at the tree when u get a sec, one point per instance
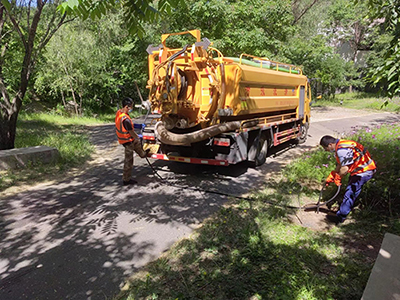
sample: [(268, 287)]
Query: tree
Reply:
[(354, 34), (319, 61), (386, 14), (20, 28), (135, 12), (300, 8), (75, 63), (20, 23), (255, 27), (95, 62), (349, 24)]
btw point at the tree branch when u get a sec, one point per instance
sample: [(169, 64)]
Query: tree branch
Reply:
[(29, 13), (5, 34), (49, 34), (5, 104), (304, 12), (2, 22), (27, 62), (17, 28)]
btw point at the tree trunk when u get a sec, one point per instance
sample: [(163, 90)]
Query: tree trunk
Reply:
[(71, 87), (80, 104), (63, 99), (9, 109), (8, 128), (73, 97)]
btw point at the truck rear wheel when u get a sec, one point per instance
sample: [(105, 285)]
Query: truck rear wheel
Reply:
[(258, 150), (303, 133)]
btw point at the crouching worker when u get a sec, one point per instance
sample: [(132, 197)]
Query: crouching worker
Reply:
[(128, 138), (353, 158)]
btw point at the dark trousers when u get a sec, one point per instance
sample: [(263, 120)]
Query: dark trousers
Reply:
[(353, 190)]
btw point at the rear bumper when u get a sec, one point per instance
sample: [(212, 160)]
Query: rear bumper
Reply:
[(189, 160)]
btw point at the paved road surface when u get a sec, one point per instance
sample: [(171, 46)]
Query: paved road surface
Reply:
[(79, 238)]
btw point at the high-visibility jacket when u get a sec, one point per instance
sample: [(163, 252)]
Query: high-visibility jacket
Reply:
[(122, 134), (362, 160)]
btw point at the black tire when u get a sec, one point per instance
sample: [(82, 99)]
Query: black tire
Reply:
[(303, 133), (260, 147)]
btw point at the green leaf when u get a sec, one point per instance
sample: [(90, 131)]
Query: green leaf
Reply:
[(102, 8), (6, 4), (391, 76), (73, 3), (392, 69), (392, 84), (62, 8)]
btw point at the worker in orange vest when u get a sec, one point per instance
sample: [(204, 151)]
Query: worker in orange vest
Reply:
[(353, 158), (128, 138)]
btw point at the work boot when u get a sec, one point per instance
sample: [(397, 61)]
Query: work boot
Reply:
[(334, 219), (130, 181)]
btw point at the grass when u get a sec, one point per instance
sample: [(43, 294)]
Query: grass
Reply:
[(245, 253), (253, 250), (68, 134), (362, 101)]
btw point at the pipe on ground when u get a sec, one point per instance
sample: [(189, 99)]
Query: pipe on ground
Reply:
[(167, 137)]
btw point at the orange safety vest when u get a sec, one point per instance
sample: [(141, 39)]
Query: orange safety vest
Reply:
[(122, 134), (361, 157)]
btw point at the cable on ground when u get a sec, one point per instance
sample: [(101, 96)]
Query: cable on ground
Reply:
[(317, 206)]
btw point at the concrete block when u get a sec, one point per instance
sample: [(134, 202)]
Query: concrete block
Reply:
[(21, 157), (384, 281)]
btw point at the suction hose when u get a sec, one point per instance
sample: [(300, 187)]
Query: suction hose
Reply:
[(169, 138)]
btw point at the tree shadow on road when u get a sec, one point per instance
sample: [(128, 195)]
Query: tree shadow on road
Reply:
[(83, 235)]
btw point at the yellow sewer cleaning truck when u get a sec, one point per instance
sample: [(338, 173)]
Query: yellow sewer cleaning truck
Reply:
[(211, 109)]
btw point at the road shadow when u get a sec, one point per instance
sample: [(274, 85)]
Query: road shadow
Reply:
[(79, 238)]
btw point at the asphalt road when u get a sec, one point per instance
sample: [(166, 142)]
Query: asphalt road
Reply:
[(80, 237)]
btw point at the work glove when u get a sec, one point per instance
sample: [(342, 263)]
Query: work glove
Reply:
[(333, 177)]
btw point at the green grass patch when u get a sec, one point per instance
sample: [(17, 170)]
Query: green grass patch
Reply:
[(68, 134), (362, 101), (52, 118)]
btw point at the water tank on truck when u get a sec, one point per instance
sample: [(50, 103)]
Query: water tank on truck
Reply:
[(222, 110)]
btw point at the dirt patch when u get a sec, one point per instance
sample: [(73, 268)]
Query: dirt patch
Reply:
[(313, 220), (368, 247)]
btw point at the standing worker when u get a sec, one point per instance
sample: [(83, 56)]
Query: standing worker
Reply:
[(129, 139), (353, 158)]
